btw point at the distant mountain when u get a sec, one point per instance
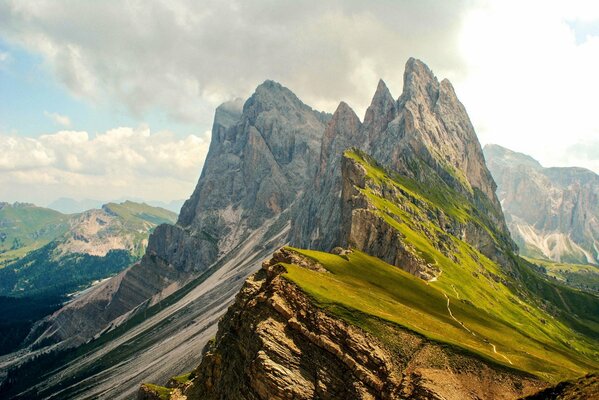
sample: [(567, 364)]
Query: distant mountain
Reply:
[(54, 255), (68, 205), (88, 246), (552, 213), (25, 227)]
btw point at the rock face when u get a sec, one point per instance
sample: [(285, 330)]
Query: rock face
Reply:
[(552, 213), (424, 135), (274, 343), (260, 157)]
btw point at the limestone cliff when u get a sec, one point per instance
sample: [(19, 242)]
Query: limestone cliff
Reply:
[(552, 213), (425, 135), (260, 157)]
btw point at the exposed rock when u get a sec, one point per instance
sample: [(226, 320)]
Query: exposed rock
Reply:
[(259, 161), (552, 213), (426, 133)]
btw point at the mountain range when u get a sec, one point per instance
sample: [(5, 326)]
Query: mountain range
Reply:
[(344, 258), (552, 213), (53, 256), (67, 205)]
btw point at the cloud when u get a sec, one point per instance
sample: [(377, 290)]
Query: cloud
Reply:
[(531, 84), (526, 71), (185, 56), (58, 119), (118, 163)]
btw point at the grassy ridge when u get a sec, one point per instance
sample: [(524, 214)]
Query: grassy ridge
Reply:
[(535, 325), (581, 276), (372, 287)]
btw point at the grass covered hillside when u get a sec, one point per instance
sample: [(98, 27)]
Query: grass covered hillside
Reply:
[(370, 293), (506, 313), (25, 227)]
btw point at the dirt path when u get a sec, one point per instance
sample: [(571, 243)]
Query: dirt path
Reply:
[(472, 333)]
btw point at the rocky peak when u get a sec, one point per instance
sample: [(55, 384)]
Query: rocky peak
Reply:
[(419, 83), (381, 111), (344, 123), (269, 96), (499, 155)]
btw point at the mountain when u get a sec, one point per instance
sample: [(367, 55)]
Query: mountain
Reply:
[(402, 277), (25, 227), (262, 157), (425, 298), (67, 205), (552, 213), (94, 245), (85, 248)]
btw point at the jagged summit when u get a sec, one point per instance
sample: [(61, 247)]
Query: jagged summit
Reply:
[(419, 80), (382, 109), (270, 96)]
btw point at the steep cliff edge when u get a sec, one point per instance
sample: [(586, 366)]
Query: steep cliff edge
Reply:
[(426, 136), (261, 155)]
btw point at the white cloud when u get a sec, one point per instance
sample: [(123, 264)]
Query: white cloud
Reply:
[(58, 119), (527, 79), (118, 163), (185, 57), (529, 84)]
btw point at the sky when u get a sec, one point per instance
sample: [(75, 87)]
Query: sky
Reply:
[(114, 99)]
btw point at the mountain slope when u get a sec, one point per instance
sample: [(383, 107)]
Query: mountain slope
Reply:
[(350, 325), (261, 157), (553, 213), (94, 245), (425, 135), (25, 227), (275, 174)]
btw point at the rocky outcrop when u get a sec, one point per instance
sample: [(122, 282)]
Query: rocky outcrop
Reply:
[(261, 156), (274, 343), (425, 135), (552, 213)]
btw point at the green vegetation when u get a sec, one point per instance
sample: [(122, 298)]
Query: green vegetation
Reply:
[(182, 379), (162, 392), (39, 272), (581, 276), (134, 214), (360, 287), (19, 315), (25, 227), (509, 314)]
